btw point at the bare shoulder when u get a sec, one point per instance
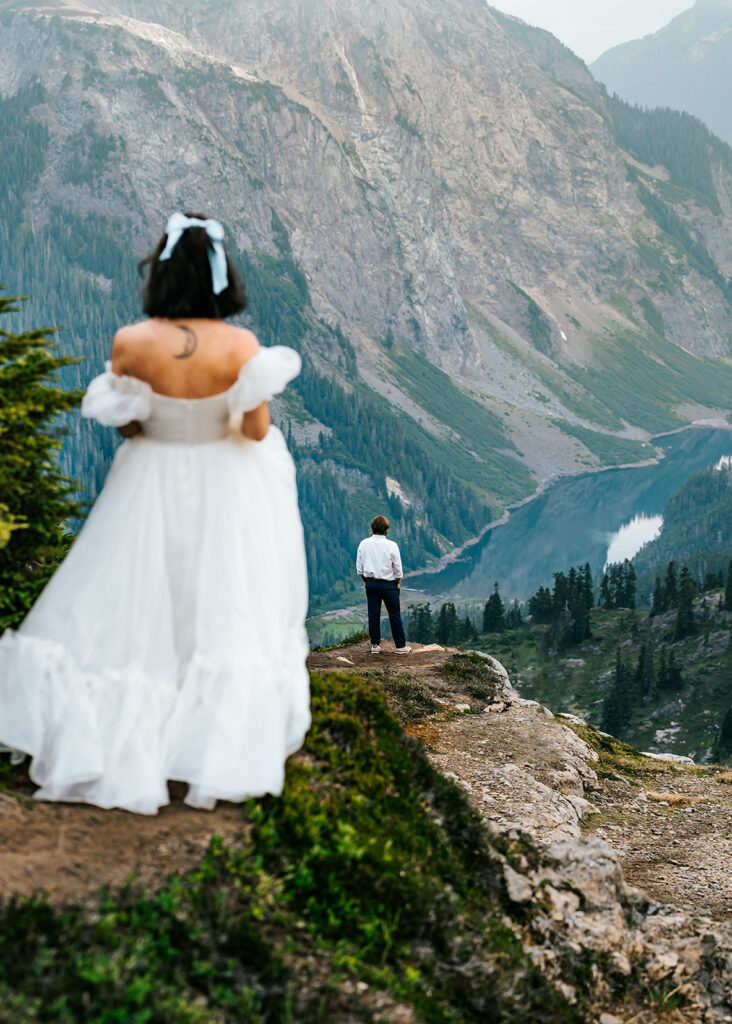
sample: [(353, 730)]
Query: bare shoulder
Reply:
[(243, 344), (127, 340)]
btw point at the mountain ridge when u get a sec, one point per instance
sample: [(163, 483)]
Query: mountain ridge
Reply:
[(491, 228), (685, 65)]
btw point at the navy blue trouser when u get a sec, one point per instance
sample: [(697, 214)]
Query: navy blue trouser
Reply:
[(388, 592)]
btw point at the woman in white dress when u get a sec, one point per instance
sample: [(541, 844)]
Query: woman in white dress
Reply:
[(170, 644)]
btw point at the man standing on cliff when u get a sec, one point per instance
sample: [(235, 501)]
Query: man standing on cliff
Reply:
[(379, 565)]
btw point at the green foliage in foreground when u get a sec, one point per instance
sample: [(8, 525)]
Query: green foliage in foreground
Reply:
[(371, 866), (35, 498)]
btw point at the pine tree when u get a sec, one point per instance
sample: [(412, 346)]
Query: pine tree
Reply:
[(644, 675), (675, 679), (36, 500), (685, 601), (560, 594), (606, 600), (494, 613), (447, 627), (467, 629), (728, 590), (629, 584), (541, 606), (658, 603), (419, 623), (670, 589), (662, 676), (617, 707), (589, 587), (723, 743), (514, 618)]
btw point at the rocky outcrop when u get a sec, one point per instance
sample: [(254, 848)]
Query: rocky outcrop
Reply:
[(632, 953)]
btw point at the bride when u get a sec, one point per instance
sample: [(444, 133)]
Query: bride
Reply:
[(170, 644)]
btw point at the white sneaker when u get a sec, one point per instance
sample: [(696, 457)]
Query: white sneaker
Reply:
[(404, 650), (375, 649)]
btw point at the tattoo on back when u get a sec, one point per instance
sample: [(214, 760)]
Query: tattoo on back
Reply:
[(191, 341)]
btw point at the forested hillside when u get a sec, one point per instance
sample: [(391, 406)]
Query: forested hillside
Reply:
[(697, 528), (657, 677)]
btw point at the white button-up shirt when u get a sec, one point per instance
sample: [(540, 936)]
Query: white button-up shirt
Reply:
[(378, 558)]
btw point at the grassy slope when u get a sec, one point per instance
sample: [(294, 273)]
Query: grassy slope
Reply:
[(577, 679), (609, 449), (485, 457), (370, 868), (642, 378)]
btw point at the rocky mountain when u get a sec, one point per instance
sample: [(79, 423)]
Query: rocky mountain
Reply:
[(495, 271), (687, 66)]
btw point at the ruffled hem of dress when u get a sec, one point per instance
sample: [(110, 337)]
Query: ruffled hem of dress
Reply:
[(115, 738)]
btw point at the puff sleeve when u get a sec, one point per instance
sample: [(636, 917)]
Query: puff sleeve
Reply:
[(263, 376), (115, 401)]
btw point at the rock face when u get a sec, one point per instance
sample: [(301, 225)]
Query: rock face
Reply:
[(628, 952), (434, 179)]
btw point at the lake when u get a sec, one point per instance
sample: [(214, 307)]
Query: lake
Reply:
[(573, 522)]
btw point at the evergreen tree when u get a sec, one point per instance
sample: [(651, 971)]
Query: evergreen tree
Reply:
[(629, 585), (723, 743), (36, 500), (670, 588), (644, 681), (447, 627), (589, 587), (494, 613), (560, 594), (658, 603), (419, 623), (662, 676), (467, 629), (617, 706), (728, 590), (675, 679), (713, 580), (618, 587), (541, 606), (685, 602), (514, 618)]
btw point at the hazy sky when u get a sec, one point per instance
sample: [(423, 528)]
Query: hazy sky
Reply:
[(591, 28)]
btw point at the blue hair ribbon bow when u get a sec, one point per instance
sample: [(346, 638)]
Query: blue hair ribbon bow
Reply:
[(178, 223)]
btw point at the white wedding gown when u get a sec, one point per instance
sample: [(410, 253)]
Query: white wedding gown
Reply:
[(170, 643)]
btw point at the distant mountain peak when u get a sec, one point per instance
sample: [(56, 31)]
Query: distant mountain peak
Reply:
[(687, 66)]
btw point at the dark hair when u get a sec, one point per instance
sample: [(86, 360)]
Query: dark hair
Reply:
[(380, 525), (182, 287)]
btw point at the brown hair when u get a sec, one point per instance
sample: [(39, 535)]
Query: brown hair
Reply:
[(380, 525), (181, 287)]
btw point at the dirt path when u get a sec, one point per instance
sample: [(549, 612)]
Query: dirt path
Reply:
[(71, 850)]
